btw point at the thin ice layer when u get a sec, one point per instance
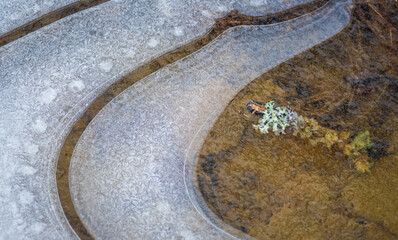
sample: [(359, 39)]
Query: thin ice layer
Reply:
[(50, 76), (16, 13), (132, 168)]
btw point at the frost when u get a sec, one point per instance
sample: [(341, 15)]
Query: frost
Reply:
[(206, 13), (149, 135), (31, 148), (163, 207), (153, 42), (48, 96), (37, 227), (37, 69), (16, 13), (26, 197), (39, 126), (178, 31), (258, 3), (106, 65), (76, 86), (28, 170)]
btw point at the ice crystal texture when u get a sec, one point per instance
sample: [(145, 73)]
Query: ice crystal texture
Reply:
[(49, 77), (16, 13), (130, 172)]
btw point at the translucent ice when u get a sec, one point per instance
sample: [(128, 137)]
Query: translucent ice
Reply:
[(16, 13), (131, 172), (50, 76)]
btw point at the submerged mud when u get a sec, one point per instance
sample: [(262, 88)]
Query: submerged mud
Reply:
[(282, 187)]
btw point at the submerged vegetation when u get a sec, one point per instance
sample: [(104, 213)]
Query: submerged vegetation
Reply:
[(278, 119), (303, 180)]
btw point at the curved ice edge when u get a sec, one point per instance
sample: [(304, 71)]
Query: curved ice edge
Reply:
[(46, 60), (12, 18), (332, 9), (311, 30)]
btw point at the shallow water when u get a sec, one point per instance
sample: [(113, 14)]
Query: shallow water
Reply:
[(282, 187)]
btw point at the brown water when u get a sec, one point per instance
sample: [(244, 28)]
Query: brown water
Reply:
[(282, 187)]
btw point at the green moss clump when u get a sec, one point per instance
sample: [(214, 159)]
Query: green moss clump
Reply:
[(362, 141), (359, 144), (279, 118)]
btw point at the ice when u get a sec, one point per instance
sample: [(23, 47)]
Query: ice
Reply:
[(106, 65), (49, 77), (132, 171), (153, 42), (48, 96), (76, 86), (16, 13), (39, 126)]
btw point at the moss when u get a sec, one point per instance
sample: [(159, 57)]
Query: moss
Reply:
[(362, 163), (359, 144), (362, 141), (306, 132), (331, 138), (278, 119)]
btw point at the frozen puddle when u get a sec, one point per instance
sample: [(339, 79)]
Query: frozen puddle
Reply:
[(15, 13), (131, 172), (127, 173)]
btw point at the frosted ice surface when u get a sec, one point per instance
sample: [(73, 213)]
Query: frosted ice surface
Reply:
[(132, 168), (15, 13), (49, 77)]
